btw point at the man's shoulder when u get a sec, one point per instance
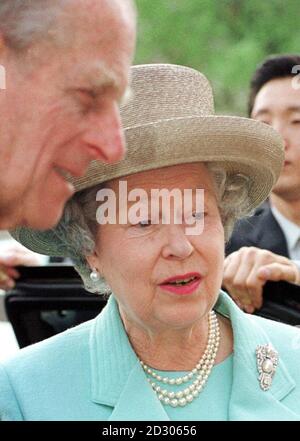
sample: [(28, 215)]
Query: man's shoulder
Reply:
[(261, 215), (260, 230)]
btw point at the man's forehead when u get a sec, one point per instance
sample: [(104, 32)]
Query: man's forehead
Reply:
[(106, 25), (104, 8), (277, 94)]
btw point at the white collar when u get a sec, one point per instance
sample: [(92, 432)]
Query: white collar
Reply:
[(290, 230)]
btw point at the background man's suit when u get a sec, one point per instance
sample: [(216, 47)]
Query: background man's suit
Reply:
[(261, 230)]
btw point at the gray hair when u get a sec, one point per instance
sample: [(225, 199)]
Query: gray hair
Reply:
[(25, 22), (78, 227)]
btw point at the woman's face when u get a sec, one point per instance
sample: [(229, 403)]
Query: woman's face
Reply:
[(136, 259)]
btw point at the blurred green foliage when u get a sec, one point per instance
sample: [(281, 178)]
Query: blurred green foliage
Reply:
[(224, 39)]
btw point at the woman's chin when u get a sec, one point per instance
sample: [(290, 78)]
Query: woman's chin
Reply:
[(181, 318)]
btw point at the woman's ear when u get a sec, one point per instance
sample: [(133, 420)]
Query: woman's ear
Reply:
[(92, 260)]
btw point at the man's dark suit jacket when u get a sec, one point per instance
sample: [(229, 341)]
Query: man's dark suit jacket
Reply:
[(261, 231)]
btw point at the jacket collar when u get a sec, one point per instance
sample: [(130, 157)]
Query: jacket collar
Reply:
[(270, 238), (118, 380)]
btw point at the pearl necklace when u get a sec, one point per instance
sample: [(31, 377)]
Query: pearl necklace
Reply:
[(201, 372)]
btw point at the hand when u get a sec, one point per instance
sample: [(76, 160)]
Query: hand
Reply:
[(247, 270), (12, 256)]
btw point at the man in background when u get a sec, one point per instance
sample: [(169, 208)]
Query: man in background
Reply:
[(267, 245), (66, 66)]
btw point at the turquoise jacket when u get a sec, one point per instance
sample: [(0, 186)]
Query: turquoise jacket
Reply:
[(91, 372)]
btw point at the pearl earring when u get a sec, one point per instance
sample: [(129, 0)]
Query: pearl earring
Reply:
[(95, 276)]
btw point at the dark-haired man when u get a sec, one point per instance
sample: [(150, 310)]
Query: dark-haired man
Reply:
[(267, 246)]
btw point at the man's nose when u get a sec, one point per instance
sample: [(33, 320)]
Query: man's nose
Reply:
[(104, 137), (177, 244), (282, 129)]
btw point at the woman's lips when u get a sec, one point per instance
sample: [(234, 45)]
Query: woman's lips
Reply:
[(188, 288)]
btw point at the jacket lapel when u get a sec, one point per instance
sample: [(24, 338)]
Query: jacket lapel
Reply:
[(267, 234), (248, 400), (118, 380), (260, 230), (137, 400)]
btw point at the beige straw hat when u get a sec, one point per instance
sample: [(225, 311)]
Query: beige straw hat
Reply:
[(170, 120)]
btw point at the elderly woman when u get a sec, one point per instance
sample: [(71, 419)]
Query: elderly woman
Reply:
[(169, 345)]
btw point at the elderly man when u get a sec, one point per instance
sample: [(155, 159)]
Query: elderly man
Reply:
[(267, 246), (66, 64)]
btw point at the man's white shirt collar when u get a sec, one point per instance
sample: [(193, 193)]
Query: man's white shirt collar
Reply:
[(291, 232)]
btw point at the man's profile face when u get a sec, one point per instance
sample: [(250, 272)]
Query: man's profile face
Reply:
[(278, 104), (64, 112)]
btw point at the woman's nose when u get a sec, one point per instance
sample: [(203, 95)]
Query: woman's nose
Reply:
[(104, 136), (177, 245)]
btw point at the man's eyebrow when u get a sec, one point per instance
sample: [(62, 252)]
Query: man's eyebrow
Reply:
[(293, 109), (95, 92), (263, 111), (266, 111), (98, 79)]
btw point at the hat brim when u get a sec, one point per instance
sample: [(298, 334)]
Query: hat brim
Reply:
[(242, 145)]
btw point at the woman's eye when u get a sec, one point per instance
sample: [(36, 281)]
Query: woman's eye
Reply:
[(296, 121), (198, 215), (145, 223), (142, 224)]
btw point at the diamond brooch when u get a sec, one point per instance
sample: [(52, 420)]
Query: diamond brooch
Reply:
[(267, 361)]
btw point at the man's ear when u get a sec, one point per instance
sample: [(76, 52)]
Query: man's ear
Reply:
[(3, 47), (3, 62)]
